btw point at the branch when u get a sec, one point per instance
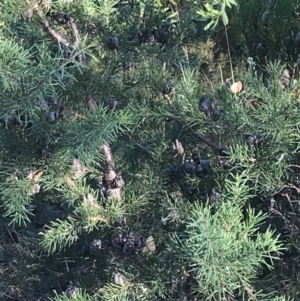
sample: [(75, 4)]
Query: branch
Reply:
[(112, 180)]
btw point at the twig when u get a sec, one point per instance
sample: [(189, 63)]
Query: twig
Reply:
[(289, 200), (208, 142)]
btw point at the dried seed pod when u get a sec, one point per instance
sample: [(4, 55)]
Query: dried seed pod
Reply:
[(52, 116), (71, 291), (170, 174), (167, 89), (51, 101), (129, 236), (216, 114), (205, 105), (117, 238), (196, 158), (127, 65), (61, 18), (253, 140), (188, 166), (118, 279), (112, 43), (172, 280), (113, 104), (140, 242), (151, 37), (261, 50), (129, 248), (186, 187), (121, 222), (119, 182), (96, 245), (215, 196)]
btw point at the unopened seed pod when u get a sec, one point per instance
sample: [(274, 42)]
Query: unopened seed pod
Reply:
[(112, 43), (205, 105), (167, 89), (127, 65)]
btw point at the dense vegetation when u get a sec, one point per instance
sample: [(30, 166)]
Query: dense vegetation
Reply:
[(149, 150)]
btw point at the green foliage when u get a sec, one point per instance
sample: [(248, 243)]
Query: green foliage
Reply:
[(224, 249)]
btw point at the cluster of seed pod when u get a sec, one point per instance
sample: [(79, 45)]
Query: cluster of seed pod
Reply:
[(112, 182), (177, 173), (206, 106), (126, 239)]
